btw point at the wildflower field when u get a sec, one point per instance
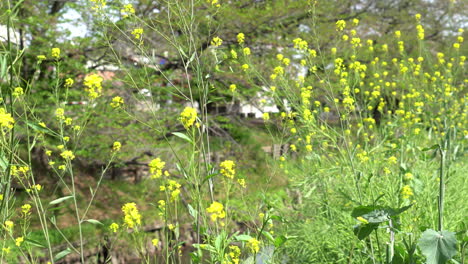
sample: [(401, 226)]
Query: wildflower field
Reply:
[(215, 131)]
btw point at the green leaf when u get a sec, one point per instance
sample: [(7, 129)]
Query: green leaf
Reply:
[(279, 241), (94, 221), (34, 243), (59, 200), (364, 230), (362, 210), (438, 247), (243, 238), (62, 254), (182, 136), (40, 128), (268, 235), (192, 211), (3, 162), (436, 146)]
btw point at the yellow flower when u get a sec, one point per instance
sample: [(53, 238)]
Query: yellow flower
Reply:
[(156, 166), (300, 44), (19, 241), (392, 160), (420, 30), (137, 32), (8, 225), (241, 183), (67, 154), (117, 102), (355, 22), (6, 250), (362, 220), (26, 209), (116, 146), (132, 217), (398, 34), (246, 51), (417, 17), (340, 25), (93, 85), (228, 168), (216, 210), (69, 82), (18, 92), (240, 38), (408, 176), (234, 254), (245, 67), (6, 120), (188, 117), (55, 52), (98, 4), (213, 3), (232, 87), (155, 242), (62, 167), (127, 10), (217, 41), (68, 121), (406, 192), (233, 54), (266, 116), (40, 58), (254, 245), (114, 227)]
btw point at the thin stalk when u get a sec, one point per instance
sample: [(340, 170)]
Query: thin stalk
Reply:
[(441, 189)]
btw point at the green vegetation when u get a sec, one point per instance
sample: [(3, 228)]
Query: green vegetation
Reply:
[(233, 132)]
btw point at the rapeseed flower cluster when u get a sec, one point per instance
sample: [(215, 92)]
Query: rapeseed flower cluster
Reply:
[(6, 120), (216, 210), (188, 117), (155, 168), (132, 217), (173, 188), (254, 245), (55, 53), (240, 38), (228, 168), (117, 102), (127, 11), (137, 33), (216, 42), (93, 85)]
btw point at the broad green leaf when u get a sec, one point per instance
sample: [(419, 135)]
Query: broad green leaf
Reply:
[(362, 210), (364, 230), (59, 200), (280, 240), (438, 247)]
